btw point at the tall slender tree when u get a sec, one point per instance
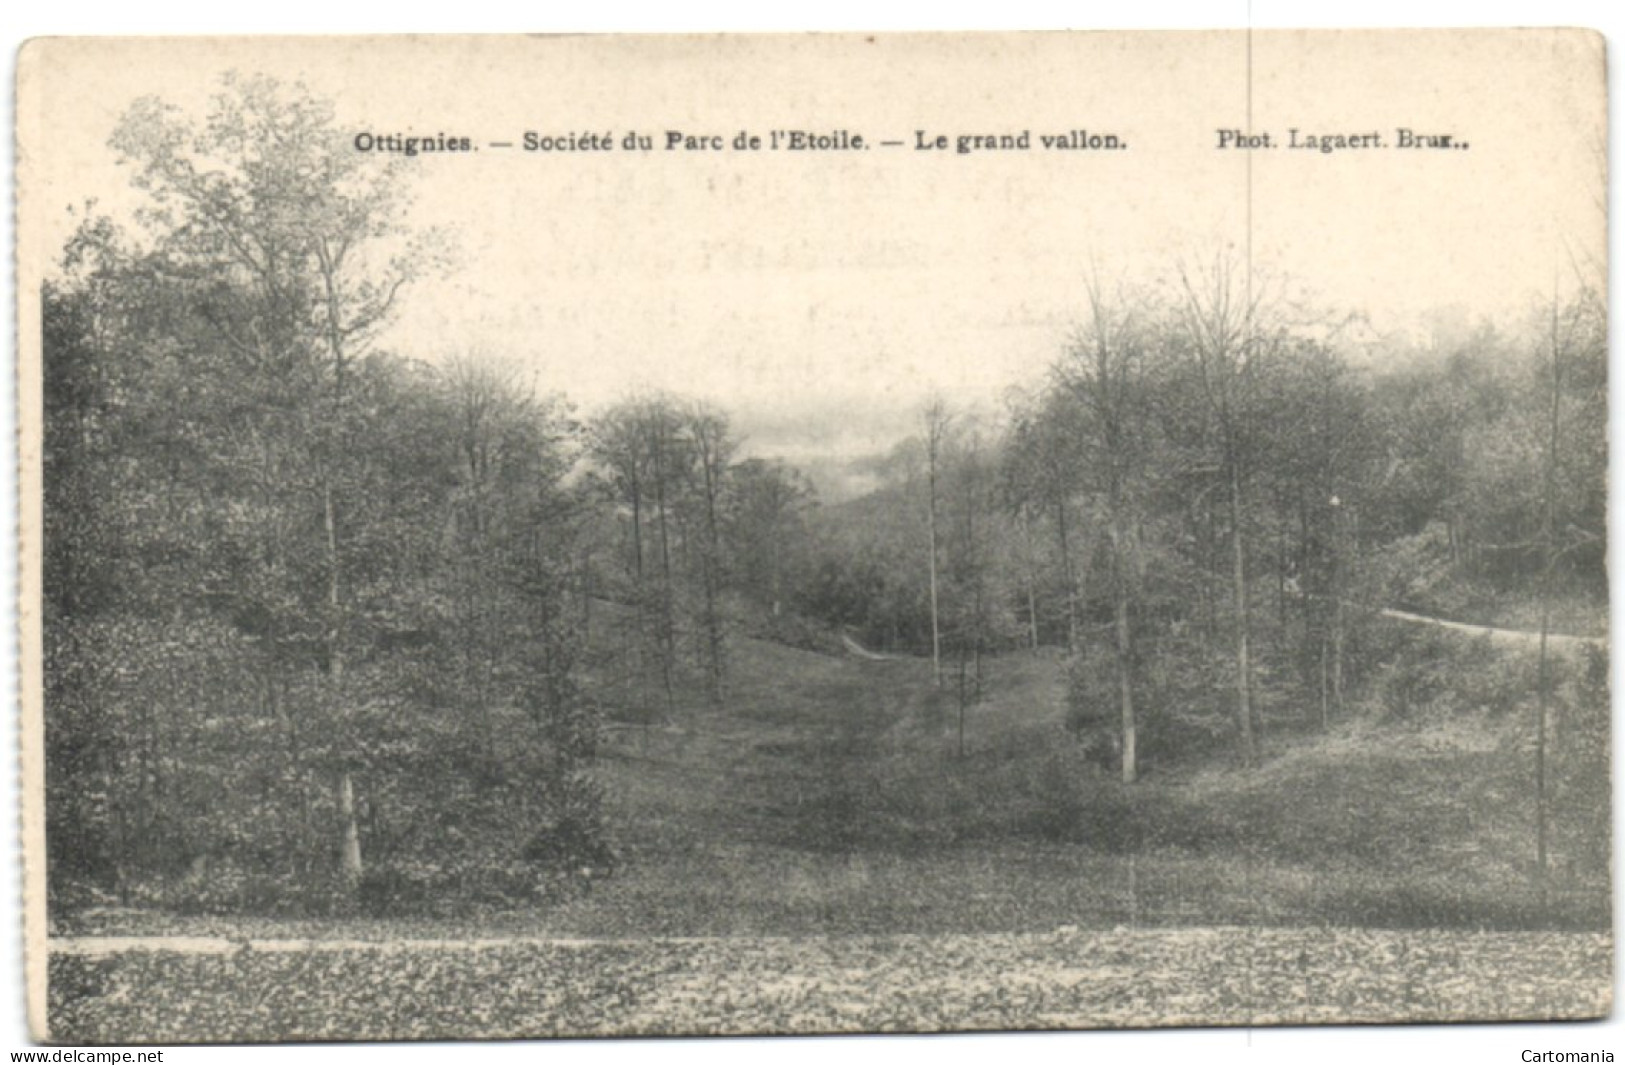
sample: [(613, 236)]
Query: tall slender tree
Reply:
[(713, 451), (937, 424), (1224, 337), (1104, 370)]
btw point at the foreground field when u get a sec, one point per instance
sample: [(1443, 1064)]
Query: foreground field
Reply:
[(104, 992)]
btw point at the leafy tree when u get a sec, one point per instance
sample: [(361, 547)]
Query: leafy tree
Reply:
[(1225, 338), (276, 228), (764, 527), (305, 612), (1105, 372)]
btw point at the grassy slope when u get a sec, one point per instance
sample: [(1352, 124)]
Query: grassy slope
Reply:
[(827, 796)]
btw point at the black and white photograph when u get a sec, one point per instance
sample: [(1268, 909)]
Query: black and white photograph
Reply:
[(797, 534)]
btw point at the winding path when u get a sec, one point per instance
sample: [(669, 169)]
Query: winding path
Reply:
[(1518, 637), (854, 647)]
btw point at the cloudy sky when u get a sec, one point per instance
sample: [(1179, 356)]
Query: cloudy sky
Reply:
[(820, 297)]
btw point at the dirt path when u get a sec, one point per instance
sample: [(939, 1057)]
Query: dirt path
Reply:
[(1513, 637), (854, 647), (106, 946)]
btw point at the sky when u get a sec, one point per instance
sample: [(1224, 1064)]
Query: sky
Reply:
[(822, 297)]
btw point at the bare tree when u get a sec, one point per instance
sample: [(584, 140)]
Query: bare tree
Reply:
[(1103, 369), (1575, 332), (1223, 338), (713, 450), (1042, 468)]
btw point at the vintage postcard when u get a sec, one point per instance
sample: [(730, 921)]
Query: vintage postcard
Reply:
[(637, 535)]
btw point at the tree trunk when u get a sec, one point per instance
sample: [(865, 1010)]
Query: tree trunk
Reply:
[(350, 863), (1032, 614), (637, 531), (1032, 578), (1337, 657), (1548, 524), (1540, 746), (1280, 581), (335, 653), (1337, 612), (668, 637), (1325, 683), (931, 532), (713, 551), (1125, 688), (1068, 577), (962, 698), (586, 590), (1244, 699)]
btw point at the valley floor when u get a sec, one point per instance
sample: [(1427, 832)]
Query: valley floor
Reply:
[(824, 853)]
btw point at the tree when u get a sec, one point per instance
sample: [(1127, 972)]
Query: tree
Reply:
[(291, 243), (641, 444), (1042, 465), (971, 626), (765, 509), (496, 426), (937, 423), (1224, 338), (713, 450), (1104, 371), (1320, 454), (1576, 346), (306, 597)]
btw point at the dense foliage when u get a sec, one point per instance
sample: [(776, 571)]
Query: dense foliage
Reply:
[(1209, 505), (307, 637)]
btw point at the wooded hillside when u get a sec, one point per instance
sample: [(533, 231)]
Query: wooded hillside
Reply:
[(329, 630)]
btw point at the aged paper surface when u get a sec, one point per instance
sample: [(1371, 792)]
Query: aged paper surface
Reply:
[(634, 535)]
